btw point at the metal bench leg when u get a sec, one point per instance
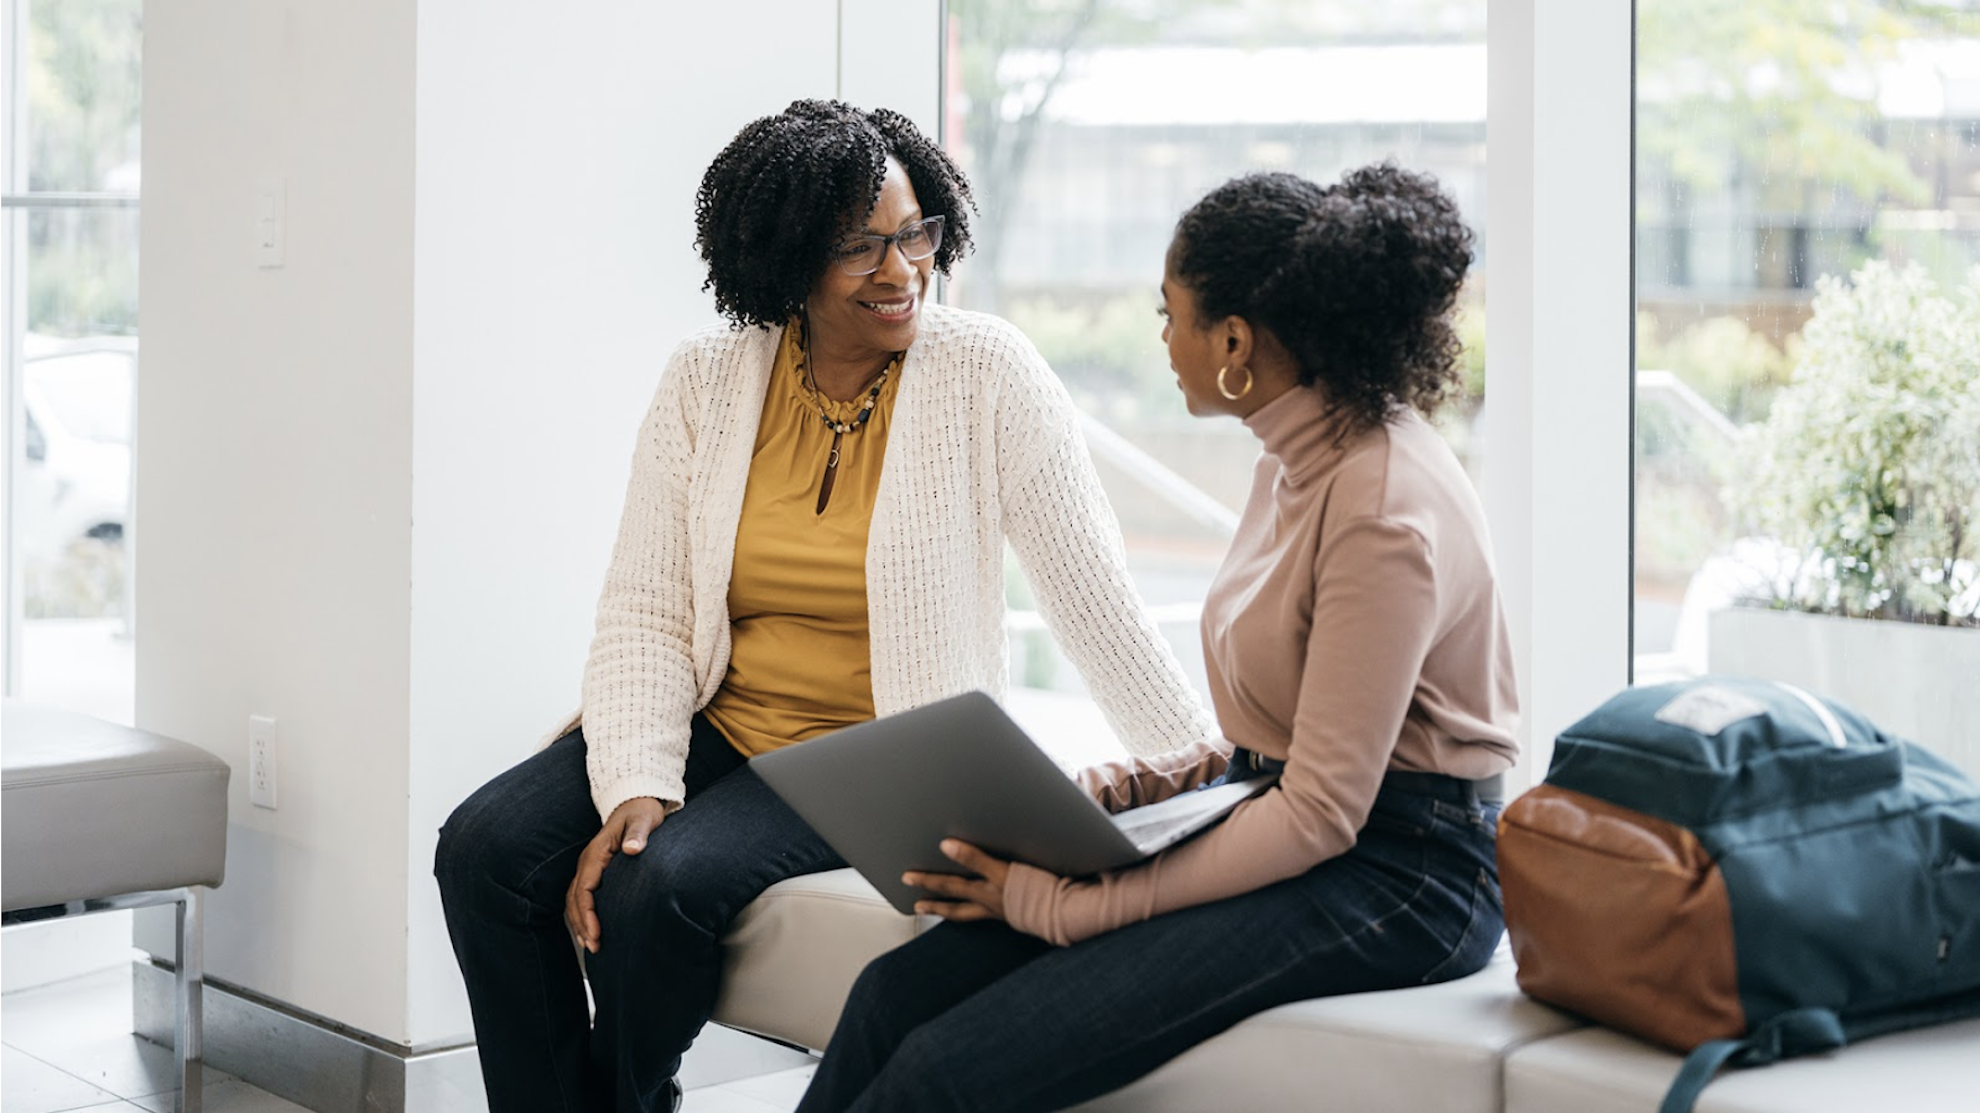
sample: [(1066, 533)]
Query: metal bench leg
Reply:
[(191, 985)]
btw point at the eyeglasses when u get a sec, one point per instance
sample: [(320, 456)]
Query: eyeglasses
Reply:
[(859, 256)]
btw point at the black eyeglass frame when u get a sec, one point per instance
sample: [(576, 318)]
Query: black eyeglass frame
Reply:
[(932, 225)]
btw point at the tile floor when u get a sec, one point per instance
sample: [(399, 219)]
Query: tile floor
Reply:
[(68, 1047)]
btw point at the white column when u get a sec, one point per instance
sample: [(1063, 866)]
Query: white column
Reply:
[(1559, 313)]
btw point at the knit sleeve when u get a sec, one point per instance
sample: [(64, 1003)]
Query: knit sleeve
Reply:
[(1135, 781), (639, 683), (1066, 537)]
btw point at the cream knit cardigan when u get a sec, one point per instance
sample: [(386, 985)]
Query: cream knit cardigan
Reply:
[(983, 447)]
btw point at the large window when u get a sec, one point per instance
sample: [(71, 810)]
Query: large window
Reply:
[(1808, 223), (71, 242), (1087, 128)]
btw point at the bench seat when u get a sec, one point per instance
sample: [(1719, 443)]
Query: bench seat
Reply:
[(95, 810), (1476, 1045), (1595, 1070), (96, 817), (1434, 1047)]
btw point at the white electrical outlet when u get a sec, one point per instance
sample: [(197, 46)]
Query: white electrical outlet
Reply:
[(270, 199), (261, 761)]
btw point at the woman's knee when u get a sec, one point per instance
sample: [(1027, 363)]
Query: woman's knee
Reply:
[(475, 843), (520, 818), (654, 892)]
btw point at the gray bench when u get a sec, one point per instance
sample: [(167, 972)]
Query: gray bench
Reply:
[(1476, 1045), (98, 817)]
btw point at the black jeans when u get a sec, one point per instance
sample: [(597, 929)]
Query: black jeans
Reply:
[(505, 860), (981, 1017)]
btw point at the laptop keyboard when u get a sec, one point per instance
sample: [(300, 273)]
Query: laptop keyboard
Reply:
[(1155, 826), (1153, 829)]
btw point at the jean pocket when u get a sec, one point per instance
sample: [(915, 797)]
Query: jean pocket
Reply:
[(1395, 822), (1471, 948)]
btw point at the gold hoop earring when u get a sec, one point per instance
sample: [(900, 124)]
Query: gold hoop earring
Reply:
[(1225, 390)]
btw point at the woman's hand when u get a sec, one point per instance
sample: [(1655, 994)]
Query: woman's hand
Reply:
[(970, 898), (625, 832)]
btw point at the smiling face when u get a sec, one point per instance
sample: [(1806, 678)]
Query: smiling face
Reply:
[(858, 323)]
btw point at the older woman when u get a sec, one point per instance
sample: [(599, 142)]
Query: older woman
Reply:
[(1355, 645), (813, 535)]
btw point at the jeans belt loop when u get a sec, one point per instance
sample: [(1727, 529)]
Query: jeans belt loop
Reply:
[(1255, 761)]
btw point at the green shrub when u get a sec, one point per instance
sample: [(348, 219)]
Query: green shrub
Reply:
[(1869, 462)]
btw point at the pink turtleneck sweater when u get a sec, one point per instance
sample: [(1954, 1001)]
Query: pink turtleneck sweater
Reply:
[(1354, 628)]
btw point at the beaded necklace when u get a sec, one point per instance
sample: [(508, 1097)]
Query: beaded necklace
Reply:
[(839, 428)]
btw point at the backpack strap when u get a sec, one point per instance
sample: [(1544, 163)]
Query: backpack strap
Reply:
[(1803, 1032), (1797, 1032)]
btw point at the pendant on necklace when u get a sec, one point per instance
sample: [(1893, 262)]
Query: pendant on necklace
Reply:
[(831, 472)]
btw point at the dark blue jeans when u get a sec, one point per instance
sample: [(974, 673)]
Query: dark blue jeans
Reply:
[(505, 859), (982, 1017)]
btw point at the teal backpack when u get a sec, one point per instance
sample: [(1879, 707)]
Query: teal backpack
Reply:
[(1741, 872)]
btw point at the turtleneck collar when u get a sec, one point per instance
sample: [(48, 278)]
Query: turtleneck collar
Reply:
[(1298, 429)]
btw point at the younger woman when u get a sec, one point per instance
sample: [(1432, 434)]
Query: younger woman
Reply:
[(1356, 646)]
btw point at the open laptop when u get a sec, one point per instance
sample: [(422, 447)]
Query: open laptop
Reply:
[(885, 793)]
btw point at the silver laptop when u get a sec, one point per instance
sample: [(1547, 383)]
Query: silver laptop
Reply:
[(885, 794)]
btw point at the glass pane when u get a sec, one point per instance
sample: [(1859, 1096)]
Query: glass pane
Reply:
[(73, 521), (73, 367), (1808, 420), (83, 95), (1087, 130)]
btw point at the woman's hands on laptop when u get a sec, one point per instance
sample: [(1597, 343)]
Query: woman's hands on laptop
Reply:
[(625, 832), (1133, 781), (969, 898)]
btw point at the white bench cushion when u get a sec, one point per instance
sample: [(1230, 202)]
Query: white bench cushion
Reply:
[(1926, 1070), (93, 809), (793, 954), (1435, 1047)]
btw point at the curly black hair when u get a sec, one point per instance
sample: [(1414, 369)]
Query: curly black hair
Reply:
[(1356, 279), (788, 188)]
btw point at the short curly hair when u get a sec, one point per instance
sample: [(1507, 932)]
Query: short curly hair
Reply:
[(1356, 279), (786, 189)]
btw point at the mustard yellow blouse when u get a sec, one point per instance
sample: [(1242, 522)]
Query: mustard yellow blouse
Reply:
[(801, 665)]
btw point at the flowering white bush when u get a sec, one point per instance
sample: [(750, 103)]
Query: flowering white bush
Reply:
[(1869, 462)]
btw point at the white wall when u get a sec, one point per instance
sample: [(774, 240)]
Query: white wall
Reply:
[(275, 433), (890, 55), (381, 481)]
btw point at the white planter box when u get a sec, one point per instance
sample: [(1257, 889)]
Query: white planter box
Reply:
[(1917, 682)]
